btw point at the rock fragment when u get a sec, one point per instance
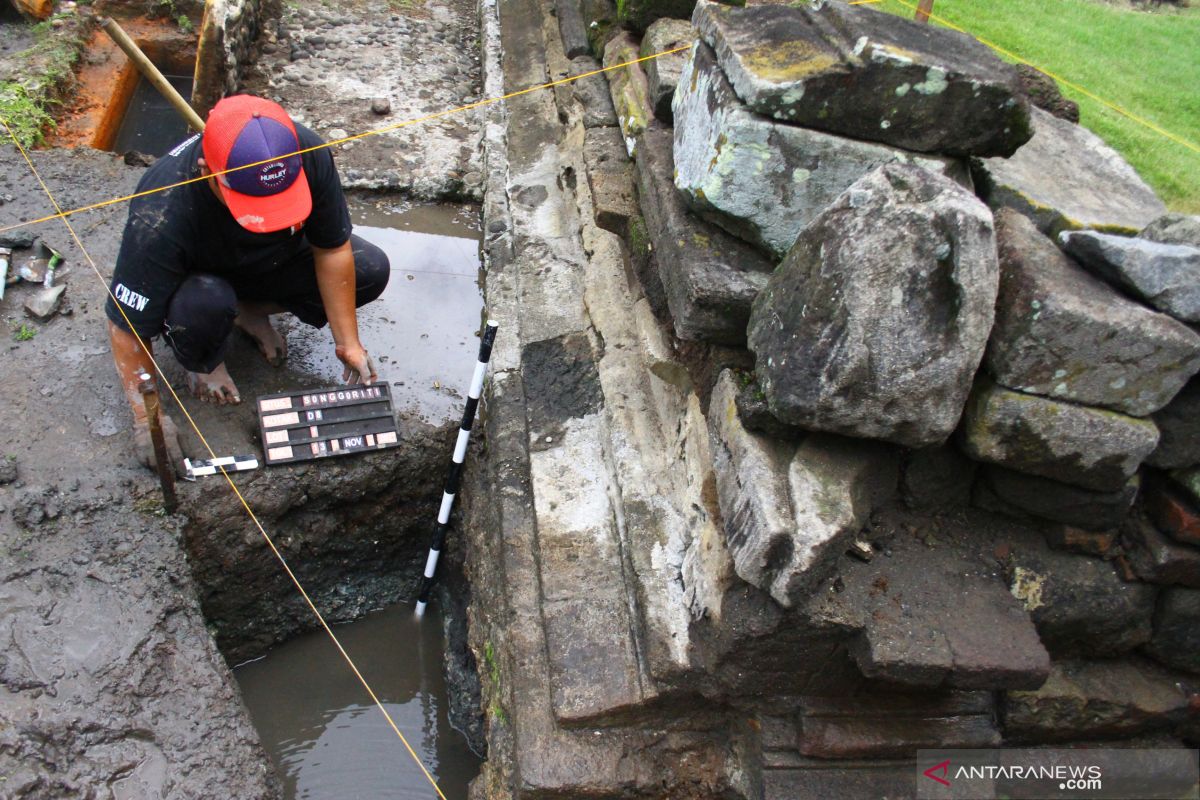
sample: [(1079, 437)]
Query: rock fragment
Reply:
[(1156, 558), (664, 72), (1174, 228), (760, 179), (1018, 494), (629, 88), (1176, 640), (1179, 430), (44, 305), (875, 323), (1063, 333)]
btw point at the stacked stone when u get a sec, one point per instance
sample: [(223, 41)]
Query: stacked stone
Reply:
[(816, 201)]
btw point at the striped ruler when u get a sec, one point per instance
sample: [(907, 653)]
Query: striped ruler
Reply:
[(211, 466), (317, 423)]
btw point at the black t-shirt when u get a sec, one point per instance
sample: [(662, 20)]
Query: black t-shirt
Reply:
[(174, 233)]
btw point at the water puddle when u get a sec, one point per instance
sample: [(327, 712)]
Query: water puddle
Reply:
[(422, 331), (151, 125), (325, 736)]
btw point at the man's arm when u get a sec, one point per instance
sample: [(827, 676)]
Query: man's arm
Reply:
[(335, 279)]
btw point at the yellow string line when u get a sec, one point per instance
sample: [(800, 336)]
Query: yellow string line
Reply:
[(386, 129), (1123, 112), (232, 485)]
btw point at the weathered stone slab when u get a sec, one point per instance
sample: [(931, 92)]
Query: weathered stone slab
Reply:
[(869, 75), (1172, 513), (1167, 276), (1179, 430), (1174, 228), (1094, 700), (1176, 640), (1063, 333), (663, 72), (882, 724), (1089, 447), (1020, 494), (592, 93), (937, 478), (1067, 178), (629, 88), (835, 483), (572, 28), (762, 180), (932, 619), (752, 491), (1080, 604), (611, 178), (1156, 558), (710, 278), (876, 321), (756, 416)]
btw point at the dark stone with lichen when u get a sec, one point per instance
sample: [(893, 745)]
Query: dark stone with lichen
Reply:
[(869, 75), (639, 14)]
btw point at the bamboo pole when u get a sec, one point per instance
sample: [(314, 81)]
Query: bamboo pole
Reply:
[(152, 74)]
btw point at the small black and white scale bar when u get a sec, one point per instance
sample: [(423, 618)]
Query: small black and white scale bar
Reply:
[(456, 462), (211, 466)]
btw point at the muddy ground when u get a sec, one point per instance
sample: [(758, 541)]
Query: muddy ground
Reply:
[(114, 681)]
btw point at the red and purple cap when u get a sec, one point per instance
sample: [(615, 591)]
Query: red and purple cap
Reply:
[(273, 194)]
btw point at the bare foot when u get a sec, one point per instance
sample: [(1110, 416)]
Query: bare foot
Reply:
[(214, 387), (259, 328)]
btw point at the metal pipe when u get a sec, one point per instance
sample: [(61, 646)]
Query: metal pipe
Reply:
[(456, 461), (162, 462), (147, 68)]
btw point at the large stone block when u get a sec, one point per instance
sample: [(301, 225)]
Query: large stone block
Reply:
[(710, 278), (869, 75), (1094, 700), (876, 321), (1027, 495), (1067, 178), (640, 14), (760, 179), (882, 724), (1080, 604), (1089, 447), (1167, 276), (1063, 333), (1176, 640), (611, 178), (629, 88), (790, 512), (592, 93), (664, 71), (1179, 430)]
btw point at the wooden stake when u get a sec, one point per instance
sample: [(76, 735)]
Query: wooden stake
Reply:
[(147, 68), (162, 461), (924, 9)]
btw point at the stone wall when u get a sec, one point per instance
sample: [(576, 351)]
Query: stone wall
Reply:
[(804, 419), (228, 31)]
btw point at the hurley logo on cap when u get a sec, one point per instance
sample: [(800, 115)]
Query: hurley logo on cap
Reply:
[(265, 189)]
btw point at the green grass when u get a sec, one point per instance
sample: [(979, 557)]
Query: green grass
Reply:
[(23, 333), (46, 70), (1146, 63)]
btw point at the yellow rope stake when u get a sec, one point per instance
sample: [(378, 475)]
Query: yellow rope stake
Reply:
[(386, 129), (1123, 112), (232, 485)]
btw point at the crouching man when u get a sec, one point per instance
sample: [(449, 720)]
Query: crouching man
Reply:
[(198, 260)]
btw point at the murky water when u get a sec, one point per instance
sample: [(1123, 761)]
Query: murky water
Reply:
[(422, 330), (151, 124), (329, 741)]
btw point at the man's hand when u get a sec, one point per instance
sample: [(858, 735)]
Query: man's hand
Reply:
[(359, 367), (145, 445)]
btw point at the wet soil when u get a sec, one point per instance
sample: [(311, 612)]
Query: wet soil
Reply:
[(325, 736)]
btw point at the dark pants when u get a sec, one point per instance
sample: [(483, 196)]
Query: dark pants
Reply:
[(201, 312)]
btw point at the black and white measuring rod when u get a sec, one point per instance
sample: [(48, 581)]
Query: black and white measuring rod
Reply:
[(456, 462)]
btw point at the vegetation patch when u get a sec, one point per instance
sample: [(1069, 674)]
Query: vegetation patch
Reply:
[(1144, 63), (34, 81)]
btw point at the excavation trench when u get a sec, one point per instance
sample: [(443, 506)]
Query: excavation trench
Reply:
[(355, 532)]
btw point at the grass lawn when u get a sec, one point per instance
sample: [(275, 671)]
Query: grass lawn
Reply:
[(1146, 63)]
